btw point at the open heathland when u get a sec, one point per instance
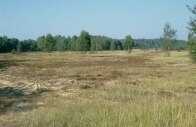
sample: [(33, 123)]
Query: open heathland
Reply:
[(107, 89)]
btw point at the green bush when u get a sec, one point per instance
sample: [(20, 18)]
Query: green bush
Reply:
[(85, 86), (192, 49)]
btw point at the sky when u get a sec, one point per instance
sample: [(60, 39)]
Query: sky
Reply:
[(24, 19)]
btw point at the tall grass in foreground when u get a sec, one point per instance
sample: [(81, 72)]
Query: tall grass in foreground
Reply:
[(104, 114)]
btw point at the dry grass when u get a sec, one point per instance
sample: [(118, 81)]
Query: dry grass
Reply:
[(104, 89)]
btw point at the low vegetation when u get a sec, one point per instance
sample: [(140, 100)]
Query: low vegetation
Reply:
[(146, 89)]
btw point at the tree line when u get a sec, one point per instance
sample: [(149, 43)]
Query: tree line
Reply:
[(83, 42)]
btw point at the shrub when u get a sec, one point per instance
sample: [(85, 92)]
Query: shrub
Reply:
[(192, 49), (85, 86)]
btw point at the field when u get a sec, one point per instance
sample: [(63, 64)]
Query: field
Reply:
[(107, 89)]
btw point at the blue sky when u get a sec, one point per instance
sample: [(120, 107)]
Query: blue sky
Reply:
[(26, 19)]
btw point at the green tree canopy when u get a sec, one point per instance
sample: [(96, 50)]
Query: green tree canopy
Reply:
[(49, 43), (192, 34), (41, 43), (84, 42), (192, 23), (61, 44), (113, 45), (73, 42), (128, 43), (169, 37)]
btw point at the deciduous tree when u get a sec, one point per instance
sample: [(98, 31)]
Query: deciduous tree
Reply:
[(168, 39), (128, 43), (84, 42), (192, 35)]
